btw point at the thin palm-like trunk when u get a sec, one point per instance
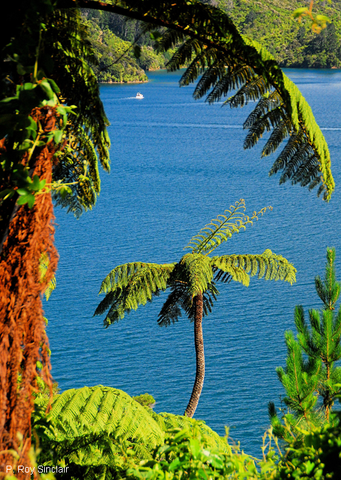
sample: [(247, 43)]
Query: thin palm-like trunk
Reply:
[(200, 357)]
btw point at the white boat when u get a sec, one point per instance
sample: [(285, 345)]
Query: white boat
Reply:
[(139, 95)]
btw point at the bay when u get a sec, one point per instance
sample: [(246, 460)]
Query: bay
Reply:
[(176, 164)]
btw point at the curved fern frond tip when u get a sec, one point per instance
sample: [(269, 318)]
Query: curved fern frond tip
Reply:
[(220, 229)]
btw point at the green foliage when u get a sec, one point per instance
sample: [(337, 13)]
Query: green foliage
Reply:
[(87, 140), (281, 107), (317, 455), (101, 431), (95, 431), (25, 135), (311, 379), (116, 58), (287, 39), (214, 49), (66, 83), (186, 454), (145, 400), (133, 284)]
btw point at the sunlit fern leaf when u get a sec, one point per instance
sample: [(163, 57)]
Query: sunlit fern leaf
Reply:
[(121, 275), (213, 29), (198, 272), (171, 422), (93, 426), (266, 265), (222, 228), (227, 269)]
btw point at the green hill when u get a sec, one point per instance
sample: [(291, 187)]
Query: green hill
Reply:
[(292, 43), (269, 22)]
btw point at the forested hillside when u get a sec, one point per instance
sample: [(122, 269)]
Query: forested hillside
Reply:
[(292, 43), (268, 21)]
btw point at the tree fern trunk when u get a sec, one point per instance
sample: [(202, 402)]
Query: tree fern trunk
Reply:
[(200, 357)]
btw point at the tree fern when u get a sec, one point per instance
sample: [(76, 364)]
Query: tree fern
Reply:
[(86, 139), (93, 428), (103, 431), (192, 280)]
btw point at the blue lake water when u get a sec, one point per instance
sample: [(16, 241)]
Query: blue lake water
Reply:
[(177, 163)]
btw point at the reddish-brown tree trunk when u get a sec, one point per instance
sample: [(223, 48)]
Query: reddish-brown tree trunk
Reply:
[(199, 356), (22, 328)]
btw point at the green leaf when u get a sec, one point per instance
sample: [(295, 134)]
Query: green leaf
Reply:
[(57, 136), (299, 11), (23, 191), (195, 447), (29, 199)]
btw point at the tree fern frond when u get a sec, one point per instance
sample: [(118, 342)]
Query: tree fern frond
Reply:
[(269, 120), (251, 91), (268, 102), (234, 78), (215, 71), (302, 155), (293, 145), (277, 136), (209, 298), (183, 55), (195, 68), (227, 270), (91, 427), (169, 39), (121, 275), (171, 309), (222, 228), (131, 285), (213, 29), (266, 265)]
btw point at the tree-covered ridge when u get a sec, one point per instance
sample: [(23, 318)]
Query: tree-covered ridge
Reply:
[(293, 44), (116, 60)]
